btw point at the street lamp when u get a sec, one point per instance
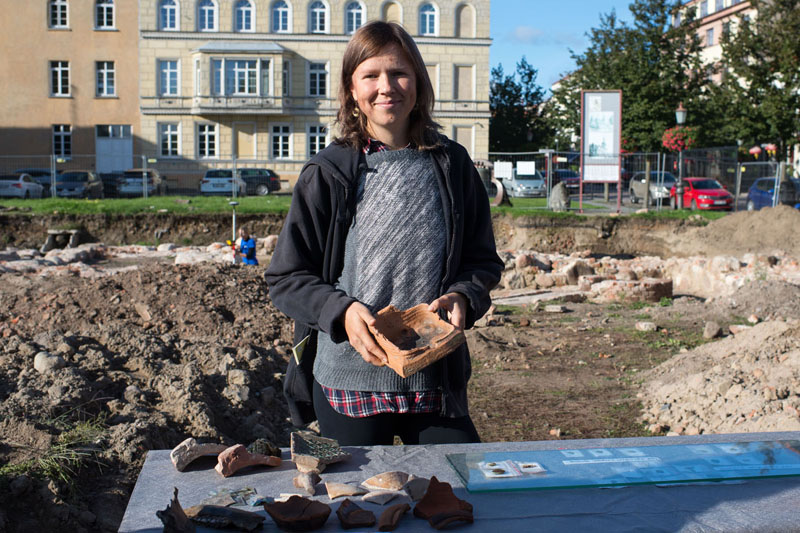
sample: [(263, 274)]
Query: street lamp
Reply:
[(680, 118)]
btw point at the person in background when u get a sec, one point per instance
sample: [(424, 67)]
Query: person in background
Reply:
[(392, 212), (247, 247)]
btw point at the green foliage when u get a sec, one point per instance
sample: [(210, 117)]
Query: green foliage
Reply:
[(665, 301), (515, 102), (156, 205)]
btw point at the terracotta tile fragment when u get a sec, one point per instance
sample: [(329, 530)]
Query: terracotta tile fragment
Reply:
[(391, 517), (352, 516), (298, 513), (441, 507), (237, 457)]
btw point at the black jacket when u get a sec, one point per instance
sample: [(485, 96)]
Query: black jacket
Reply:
[(309, 255)]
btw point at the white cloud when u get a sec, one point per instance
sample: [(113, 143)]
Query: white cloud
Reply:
[(537, 37), (526, 35)]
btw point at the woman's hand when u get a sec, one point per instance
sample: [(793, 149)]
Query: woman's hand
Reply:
[(357, 318), (456, 306)]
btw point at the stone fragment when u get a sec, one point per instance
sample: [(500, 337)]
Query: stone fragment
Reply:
[(307, 481), (143, 311), (270, 241), (264, 447), (237, 457), (45, 362), (711, 330), (646, 326), (311, 453), (753, 319), (555, 432), (414, 338), (337, 490), (394, 480), (298, 513), (738, 328), (174, 519), (576, 269), (391, 516), (555, 308), (352, 516), (189, 450), (440, 506)]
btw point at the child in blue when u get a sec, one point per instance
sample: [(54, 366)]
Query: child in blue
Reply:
[(247, 247)]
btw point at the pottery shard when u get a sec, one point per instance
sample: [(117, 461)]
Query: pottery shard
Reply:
[(391, 516), (440, 506), (173, 517), (189, 450), (337, 490), (351, 515), (307, 481), (237, 457), (393, 480), (416, 487), (223, 517), (414, 338), (382, 497), (311, 453), (298, 513)]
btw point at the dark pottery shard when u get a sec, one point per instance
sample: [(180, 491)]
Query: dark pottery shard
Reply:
[(414, 338), (219, 517), (441, 507), (391, 517), (173, 517), (237, 457), (298, 513), (351, 515), (264, 447), (311, 453)]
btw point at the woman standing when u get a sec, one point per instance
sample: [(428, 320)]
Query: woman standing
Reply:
[(394, 213)]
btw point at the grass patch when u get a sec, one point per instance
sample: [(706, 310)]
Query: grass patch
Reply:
[(156, 204), (508, 309), (665, 301)]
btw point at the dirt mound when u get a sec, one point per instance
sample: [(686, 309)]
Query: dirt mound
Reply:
[(765, 299), (153, 355)]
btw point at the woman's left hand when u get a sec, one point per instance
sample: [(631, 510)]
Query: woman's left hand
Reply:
[(456, 306)]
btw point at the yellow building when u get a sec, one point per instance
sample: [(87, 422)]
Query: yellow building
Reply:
[(255, 81), (70, 83)]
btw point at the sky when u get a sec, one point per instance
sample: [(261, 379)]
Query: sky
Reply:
[(544, 31)]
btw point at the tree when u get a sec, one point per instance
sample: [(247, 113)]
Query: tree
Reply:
[(762, 77), (656, 65), (516, 124)]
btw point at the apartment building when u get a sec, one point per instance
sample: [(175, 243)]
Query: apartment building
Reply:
[(70, 81), (256, 80)]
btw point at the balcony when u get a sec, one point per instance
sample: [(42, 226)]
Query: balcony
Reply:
[(235, 105)]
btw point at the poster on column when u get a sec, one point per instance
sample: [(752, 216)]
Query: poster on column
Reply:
[(601, 125)]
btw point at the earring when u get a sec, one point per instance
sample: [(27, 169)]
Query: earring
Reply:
[(356, 112)]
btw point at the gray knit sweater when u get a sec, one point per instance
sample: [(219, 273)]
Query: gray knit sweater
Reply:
[(394, 254)]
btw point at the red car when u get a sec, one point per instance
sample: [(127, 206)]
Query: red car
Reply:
[(702, 193)]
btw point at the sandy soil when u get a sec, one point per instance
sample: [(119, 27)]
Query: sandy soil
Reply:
[(164, 352)]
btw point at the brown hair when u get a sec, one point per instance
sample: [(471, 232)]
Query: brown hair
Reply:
[(368, 42)]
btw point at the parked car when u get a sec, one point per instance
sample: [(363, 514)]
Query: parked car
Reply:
[(42, 176), (660, 185), (221, 181), (111, 183), (570, 178), (132, 182), (79, 184), (526, 185), (762, 193), (260, 181), (702, 193), (20, 186)]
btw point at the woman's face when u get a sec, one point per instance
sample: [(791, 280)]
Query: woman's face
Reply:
[(385, 90)]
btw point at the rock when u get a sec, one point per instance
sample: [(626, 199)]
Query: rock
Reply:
[(711, 330), (555, 432), (576, 269), (753, 319), (738, 328), (559, 198), (238, 377), (646, 326), (555, 309), (45, 362), (166, 247), (270, 241), (522, 261)]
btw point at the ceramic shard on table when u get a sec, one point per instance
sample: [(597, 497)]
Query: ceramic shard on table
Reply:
[(237, 457), (391, 517), (298, 513), (352, 516), (174, 518), (312, 453), (441, 507), (414, 338), (189, 450), (223, 517)]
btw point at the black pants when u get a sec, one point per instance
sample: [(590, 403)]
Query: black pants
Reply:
[(380, 429)]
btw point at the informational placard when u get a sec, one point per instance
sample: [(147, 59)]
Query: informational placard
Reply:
[(503, 169), (601, 135), (526, 168), (640, 465)]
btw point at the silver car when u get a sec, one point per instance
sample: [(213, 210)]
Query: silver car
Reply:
[(526, 185), (660, 184)]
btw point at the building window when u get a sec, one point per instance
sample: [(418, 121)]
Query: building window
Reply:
[(116, 131), (168, 15), (710, 37), (59, 78), (104, 15), (168, 139), (168, 77), (206, 140), (720, 5), (427, 20), (317, 138), (318, 17), (704, 8), (62, 140), (354, 17), (287, 77), (206, 16), (240, 77), (244, 16), (280, 141), (105, 78), (280, 17), (317, 79), (58, 14)]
